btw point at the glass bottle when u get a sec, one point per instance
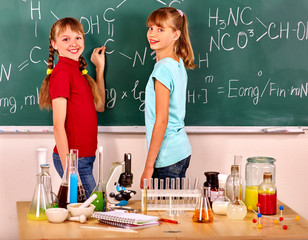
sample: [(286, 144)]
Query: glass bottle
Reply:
[(234, 184), (98, 190), (255, 168), (267, 196), (52, 198), (212, 184), (81, 194), (221, 203), (203, 212), (39, 202)]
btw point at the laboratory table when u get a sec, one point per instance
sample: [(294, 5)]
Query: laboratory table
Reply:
[(221, 228)]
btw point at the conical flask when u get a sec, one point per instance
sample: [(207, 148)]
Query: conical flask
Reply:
[(98, 190), (39, 201), (63, 190), (203, 212)]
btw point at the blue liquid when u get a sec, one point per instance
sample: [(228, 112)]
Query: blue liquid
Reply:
[(73, 187)]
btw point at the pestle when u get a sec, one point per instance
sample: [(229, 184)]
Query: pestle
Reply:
[(88, 201), (81, 219)]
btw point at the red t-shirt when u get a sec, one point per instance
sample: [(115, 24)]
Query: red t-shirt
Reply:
[(81, 120)]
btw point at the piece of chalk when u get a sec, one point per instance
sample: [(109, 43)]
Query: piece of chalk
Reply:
[(88, 201)]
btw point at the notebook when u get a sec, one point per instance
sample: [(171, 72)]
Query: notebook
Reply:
[(126, 220)]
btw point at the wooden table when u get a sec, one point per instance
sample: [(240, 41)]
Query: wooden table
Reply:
[(221, 228)]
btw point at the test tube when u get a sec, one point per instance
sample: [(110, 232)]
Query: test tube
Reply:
[(190, 188), (145, 196), (183, 187), (172, 199), (161, 187), (156, 191), (196, 187), (151, 188), (167, 185), (178, 187)]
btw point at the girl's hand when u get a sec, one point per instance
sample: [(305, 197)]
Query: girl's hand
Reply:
[(98, 57), (147, 174)]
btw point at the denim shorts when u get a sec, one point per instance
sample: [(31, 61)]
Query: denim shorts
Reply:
[(177, 170), (85, 169)]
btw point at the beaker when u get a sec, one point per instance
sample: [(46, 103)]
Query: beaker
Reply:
[(98, 190), (39, 201), (203, 212)]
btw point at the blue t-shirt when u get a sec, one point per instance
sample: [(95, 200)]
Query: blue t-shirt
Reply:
[(175, 146)]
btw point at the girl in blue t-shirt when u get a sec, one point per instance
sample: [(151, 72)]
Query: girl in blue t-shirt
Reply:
[(169, 149)]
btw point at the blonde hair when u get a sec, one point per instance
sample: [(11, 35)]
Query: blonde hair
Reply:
[(57, 28), (177, 20)]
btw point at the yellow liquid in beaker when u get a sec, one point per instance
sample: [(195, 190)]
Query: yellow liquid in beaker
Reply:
[(251, 197), (41, 216)]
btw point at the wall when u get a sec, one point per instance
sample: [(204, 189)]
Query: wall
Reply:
[(210, 152)]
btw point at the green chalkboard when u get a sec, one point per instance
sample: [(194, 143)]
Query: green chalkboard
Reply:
[(252, 58)]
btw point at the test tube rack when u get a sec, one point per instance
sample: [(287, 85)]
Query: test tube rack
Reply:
[(179, 199)]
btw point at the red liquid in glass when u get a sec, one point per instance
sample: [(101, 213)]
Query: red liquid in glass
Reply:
[(62, 196), (268, 203)]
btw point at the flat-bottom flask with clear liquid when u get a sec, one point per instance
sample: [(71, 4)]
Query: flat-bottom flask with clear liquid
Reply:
[(40, 201), (98, 190), (203, 212)]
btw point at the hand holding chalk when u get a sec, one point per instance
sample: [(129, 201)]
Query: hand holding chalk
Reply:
[(88, 201)]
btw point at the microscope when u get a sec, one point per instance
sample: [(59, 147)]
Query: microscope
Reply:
[(117, 180)]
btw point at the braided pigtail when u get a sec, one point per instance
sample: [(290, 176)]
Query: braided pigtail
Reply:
[(94, 88), (44, 97)]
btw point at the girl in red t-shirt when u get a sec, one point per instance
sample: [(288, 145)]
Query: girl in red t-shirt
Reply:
[(74, 97)]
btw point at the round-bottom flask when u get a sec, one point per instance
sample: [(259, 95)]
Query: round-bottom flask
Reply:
[(236, 210), (221, 203)]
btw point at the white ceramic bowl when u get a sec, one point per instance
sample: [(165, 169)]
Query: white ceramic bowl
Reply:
[(56, 215), (75, 211)]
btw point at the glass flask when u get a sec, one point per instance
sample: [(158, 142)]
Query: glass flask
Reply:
[(63, 190), (203, 212), (98, 190), (221, 203), (73, 178), (255, 168), (267, 196), (39, 202), (236, 209), (234, 184), (51, 196)]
